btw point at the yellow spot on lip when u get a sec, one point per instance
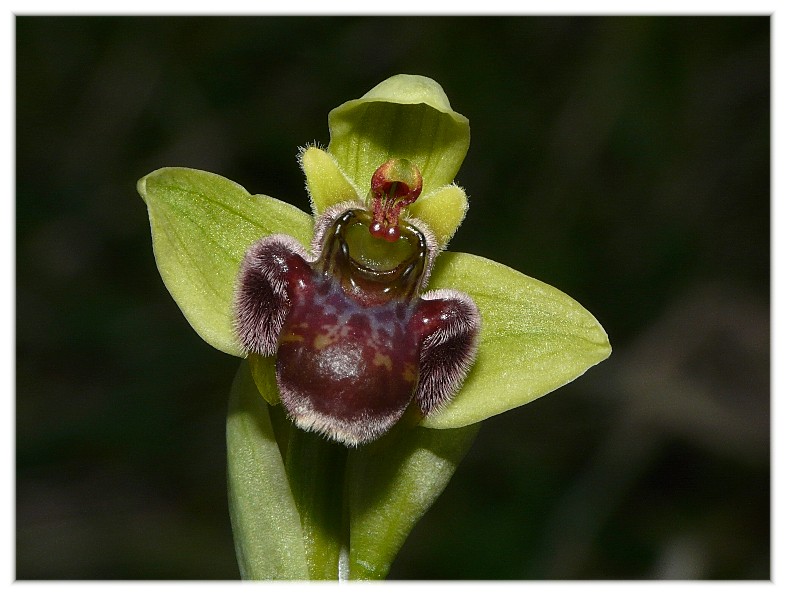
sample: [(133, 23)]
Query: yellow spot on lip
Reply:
[(291, 338), (382, 360), (409, 373), (322, 341)]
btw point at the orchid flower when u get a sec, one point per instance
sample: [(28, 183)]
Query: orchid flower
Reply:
[(369, 353)]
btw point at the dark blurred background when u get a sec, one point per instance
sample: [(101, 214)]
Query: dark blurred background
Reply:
[(623, 160)]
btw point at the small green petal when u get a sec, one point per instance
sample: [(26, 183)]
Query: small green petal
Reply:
[(327, 185), (391, 483), (533, 339), (263, 372), (268, 536), (406, 117), (442, 211), (202, 225)]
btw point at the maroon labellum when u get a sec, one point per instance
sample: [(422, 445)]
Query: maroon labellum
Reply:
[(356, 342)]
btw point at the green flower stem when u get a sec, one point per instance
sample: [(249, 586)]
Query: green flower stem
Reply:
[(315, 468)]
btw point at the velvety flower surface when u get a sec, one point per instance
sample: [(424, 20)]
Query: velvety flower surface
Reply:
[(210, 236)]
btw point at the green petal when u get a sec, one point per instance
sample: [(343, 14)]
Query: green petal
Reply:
[(533, 339), (266, 526), (202, 225), (407, 117), (391, 483), (263, 372), (327, 185), (443, 211)]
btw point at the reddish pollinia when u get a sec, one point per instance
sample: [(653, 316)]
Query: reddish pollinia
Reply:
[(356, 340)]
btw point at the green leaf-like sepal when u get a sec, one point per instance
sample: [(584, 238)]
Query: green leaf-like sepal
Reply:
[(405, 117), (533, 339), (267, 532), (202, 224)]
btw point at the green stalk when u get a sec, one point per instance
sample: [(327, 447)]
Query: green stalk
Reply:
[(315, 468)]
